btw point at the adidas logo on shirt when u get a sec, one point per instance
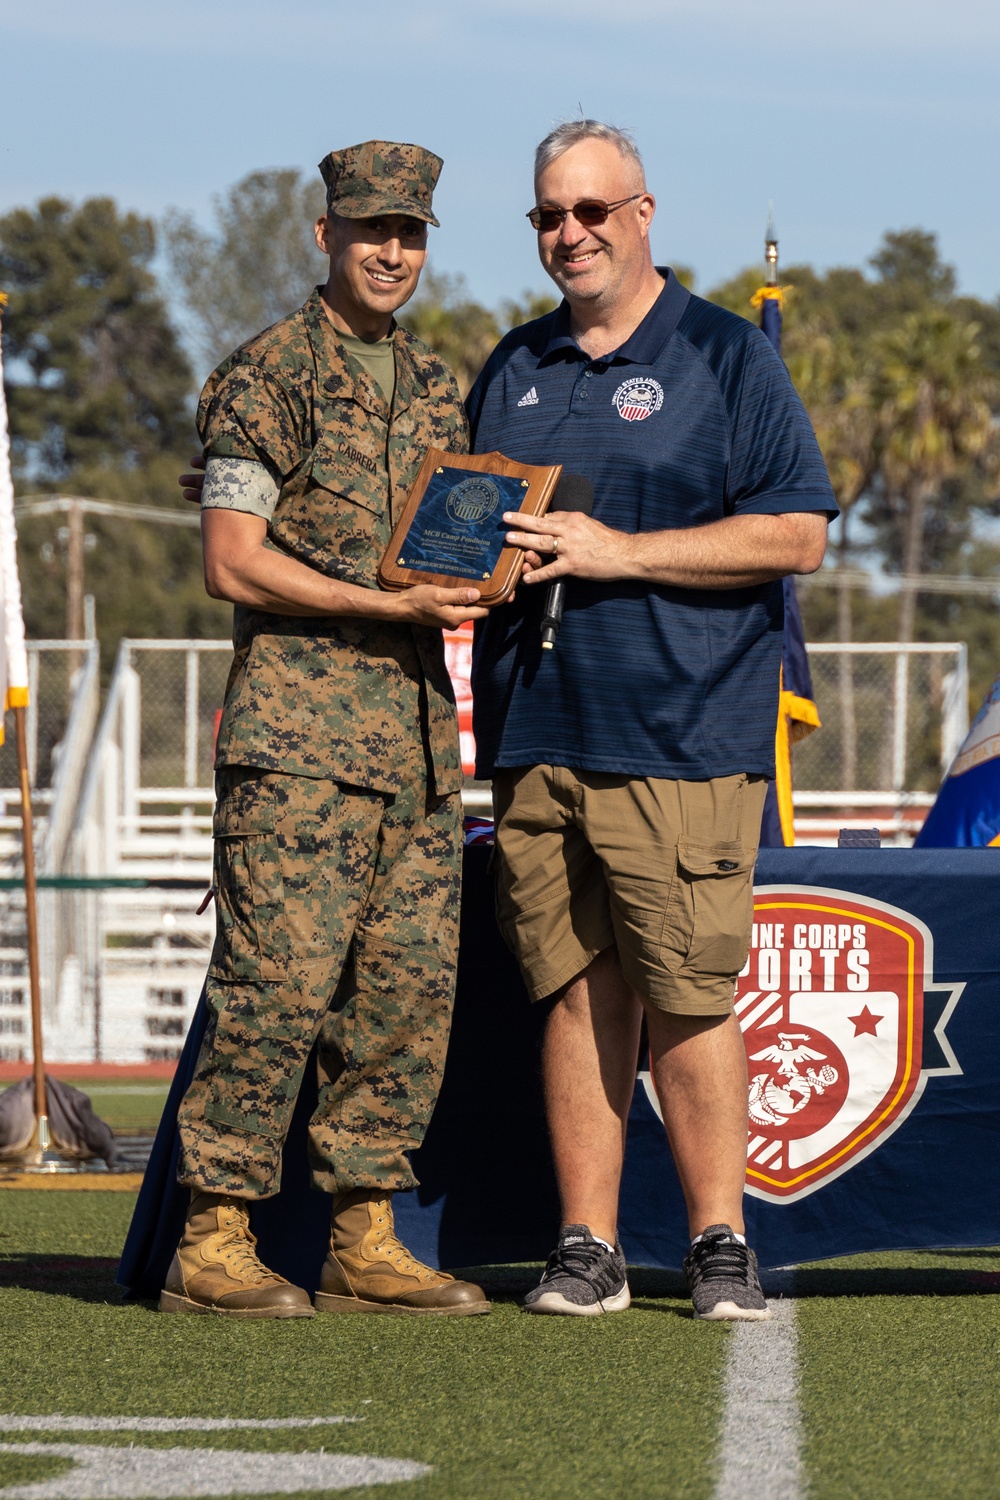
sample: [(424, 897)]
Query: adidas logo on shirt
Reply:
[(530, 398)]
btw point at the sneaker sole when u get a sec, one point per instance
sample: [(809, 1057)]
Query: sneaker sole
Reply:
[(326, 1302), (729, 1312), (171, 1302), (555, 1302)]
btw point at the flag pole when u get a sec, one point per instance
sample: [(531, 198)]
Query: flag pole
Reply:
[(797, 715), (771, 250), (38, 1150)]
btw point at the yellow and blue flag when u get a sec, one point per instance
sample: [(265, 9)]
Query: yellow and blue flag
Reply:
[(967, 811), (797, 717)]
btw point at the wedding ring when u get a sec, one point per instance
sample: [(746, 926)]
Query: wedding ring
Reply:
[(555, 544)]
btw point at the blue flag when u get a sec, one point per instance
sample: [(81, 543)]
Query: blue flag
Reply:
[(770, 316), (797, 715), (967, 811)]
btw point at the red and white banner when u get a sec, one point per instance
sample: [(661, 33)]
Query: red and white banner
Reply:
[(458, 657)]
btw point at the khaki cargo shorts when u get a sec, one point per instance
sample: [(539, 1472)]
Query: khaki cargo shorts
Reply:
[(661, 870)]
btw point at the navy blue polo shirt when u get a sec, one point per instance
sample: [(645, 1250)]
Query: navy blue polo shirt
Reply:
[(693, 419)]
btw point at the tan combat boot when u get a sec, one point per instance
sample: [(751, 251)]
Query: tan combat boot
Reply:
[(217, 1270), (368, 1270)]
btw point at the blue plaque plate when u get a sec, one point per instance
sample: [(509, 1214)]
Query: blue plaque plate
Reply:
[(459, 528)]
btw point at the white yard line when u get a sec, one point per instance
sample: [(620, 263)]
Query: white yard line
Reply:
[(10, 1422), (112, 1473), (761, 1448)]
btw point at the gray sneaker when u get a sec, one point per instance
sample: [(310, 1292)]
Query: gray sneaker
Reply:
[(582, 1278), (722, 1278)]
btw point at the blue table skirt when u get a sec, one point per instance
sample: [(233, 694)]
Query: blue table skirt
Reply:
[(927, 1178)]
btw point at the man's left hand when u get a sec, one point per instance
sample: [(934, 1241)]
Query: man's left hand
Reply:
[(734, 552), (566, 542)]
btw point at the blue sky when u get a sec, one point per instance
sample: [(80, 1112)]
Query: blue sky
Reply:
[(853, 117)]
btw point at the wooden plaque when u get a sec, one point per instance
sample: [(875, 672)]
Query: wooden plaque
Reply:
[(451, 532)]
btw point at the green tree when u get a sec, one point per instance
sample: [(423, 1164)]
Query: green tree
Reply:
[(95, 371), (911, 273), (146, 578), (835, 385), (735, 294), (845, 333), (525, 309), (258, 264), (935, 398), (455, 326)]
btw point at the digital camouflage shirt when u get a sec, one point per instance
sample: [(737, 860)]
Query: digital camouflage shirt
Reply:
[(359, 701)]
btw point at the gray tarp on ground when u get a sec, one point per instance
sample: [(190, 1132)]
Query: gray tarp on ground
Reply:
[(75, 1130)]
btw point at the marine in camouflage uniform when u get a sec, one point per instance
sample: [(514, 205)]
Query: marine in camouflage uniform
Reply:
[(338, 820)]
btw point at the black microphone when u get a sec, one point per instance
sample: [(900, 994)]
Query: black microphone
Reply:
[(573, 492)]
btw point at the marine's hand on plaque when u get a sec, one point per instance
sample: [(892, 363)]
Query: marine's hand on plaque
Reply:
[(426, 604), (567, 543)]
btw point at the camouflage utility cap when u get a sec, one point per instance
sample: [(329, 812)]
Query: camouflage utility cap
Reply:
[(381, 177)]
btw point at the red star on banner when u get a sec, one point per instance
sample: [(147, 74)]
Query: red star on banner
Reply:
[(865, 1024)]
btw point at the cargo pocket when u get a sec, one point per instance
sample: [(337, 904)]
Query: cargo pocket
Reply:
[(323, 886), (706, 926), (251, 942)]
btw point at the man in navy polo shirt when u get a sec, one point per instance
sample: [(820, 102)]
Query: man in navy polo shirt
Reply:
[(629, 763)]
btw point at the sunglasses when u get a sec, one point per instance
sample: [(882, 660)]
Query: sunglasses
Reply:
[(589, 212)]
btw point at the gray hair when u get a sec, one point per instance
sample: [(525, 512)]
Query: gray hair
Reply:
[(572, 132)]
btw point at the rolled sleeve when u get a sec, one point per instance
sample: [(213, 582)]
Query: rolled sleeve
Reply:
[(240, 484)]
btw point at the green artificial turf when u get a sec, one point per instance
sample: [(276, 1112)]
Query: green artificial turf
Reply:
[(501, 1406), (899, 1358), (127, 1107), (31, 1469)]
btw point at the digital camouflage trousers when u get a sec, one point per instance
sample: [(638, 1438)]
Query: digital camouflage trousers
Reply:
[(337, 913)]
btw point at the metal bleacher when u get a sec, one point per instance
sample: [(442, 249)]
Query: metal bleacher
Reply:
[(124, 850)]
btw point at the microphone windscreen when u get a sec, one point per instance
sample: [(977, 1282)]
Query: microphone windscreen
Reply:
[(573, 492)]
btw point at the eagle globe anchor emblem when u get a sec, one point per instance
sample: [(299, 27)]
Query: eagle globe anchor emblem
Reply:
[(784, 1089)]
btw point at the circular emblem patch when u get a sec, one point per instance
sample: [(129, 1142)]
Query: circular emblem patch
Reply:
[(472, 501), (637, 399), (799, 1080)]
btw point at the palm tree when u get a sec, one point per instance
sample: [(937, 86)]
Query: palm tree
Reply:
[(834, 381), (934, 396), (457, 327)]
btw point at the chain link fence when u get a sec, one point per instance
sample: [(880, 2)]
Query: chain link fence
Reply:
[(893, 717), (181, 686), (53, 675)]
